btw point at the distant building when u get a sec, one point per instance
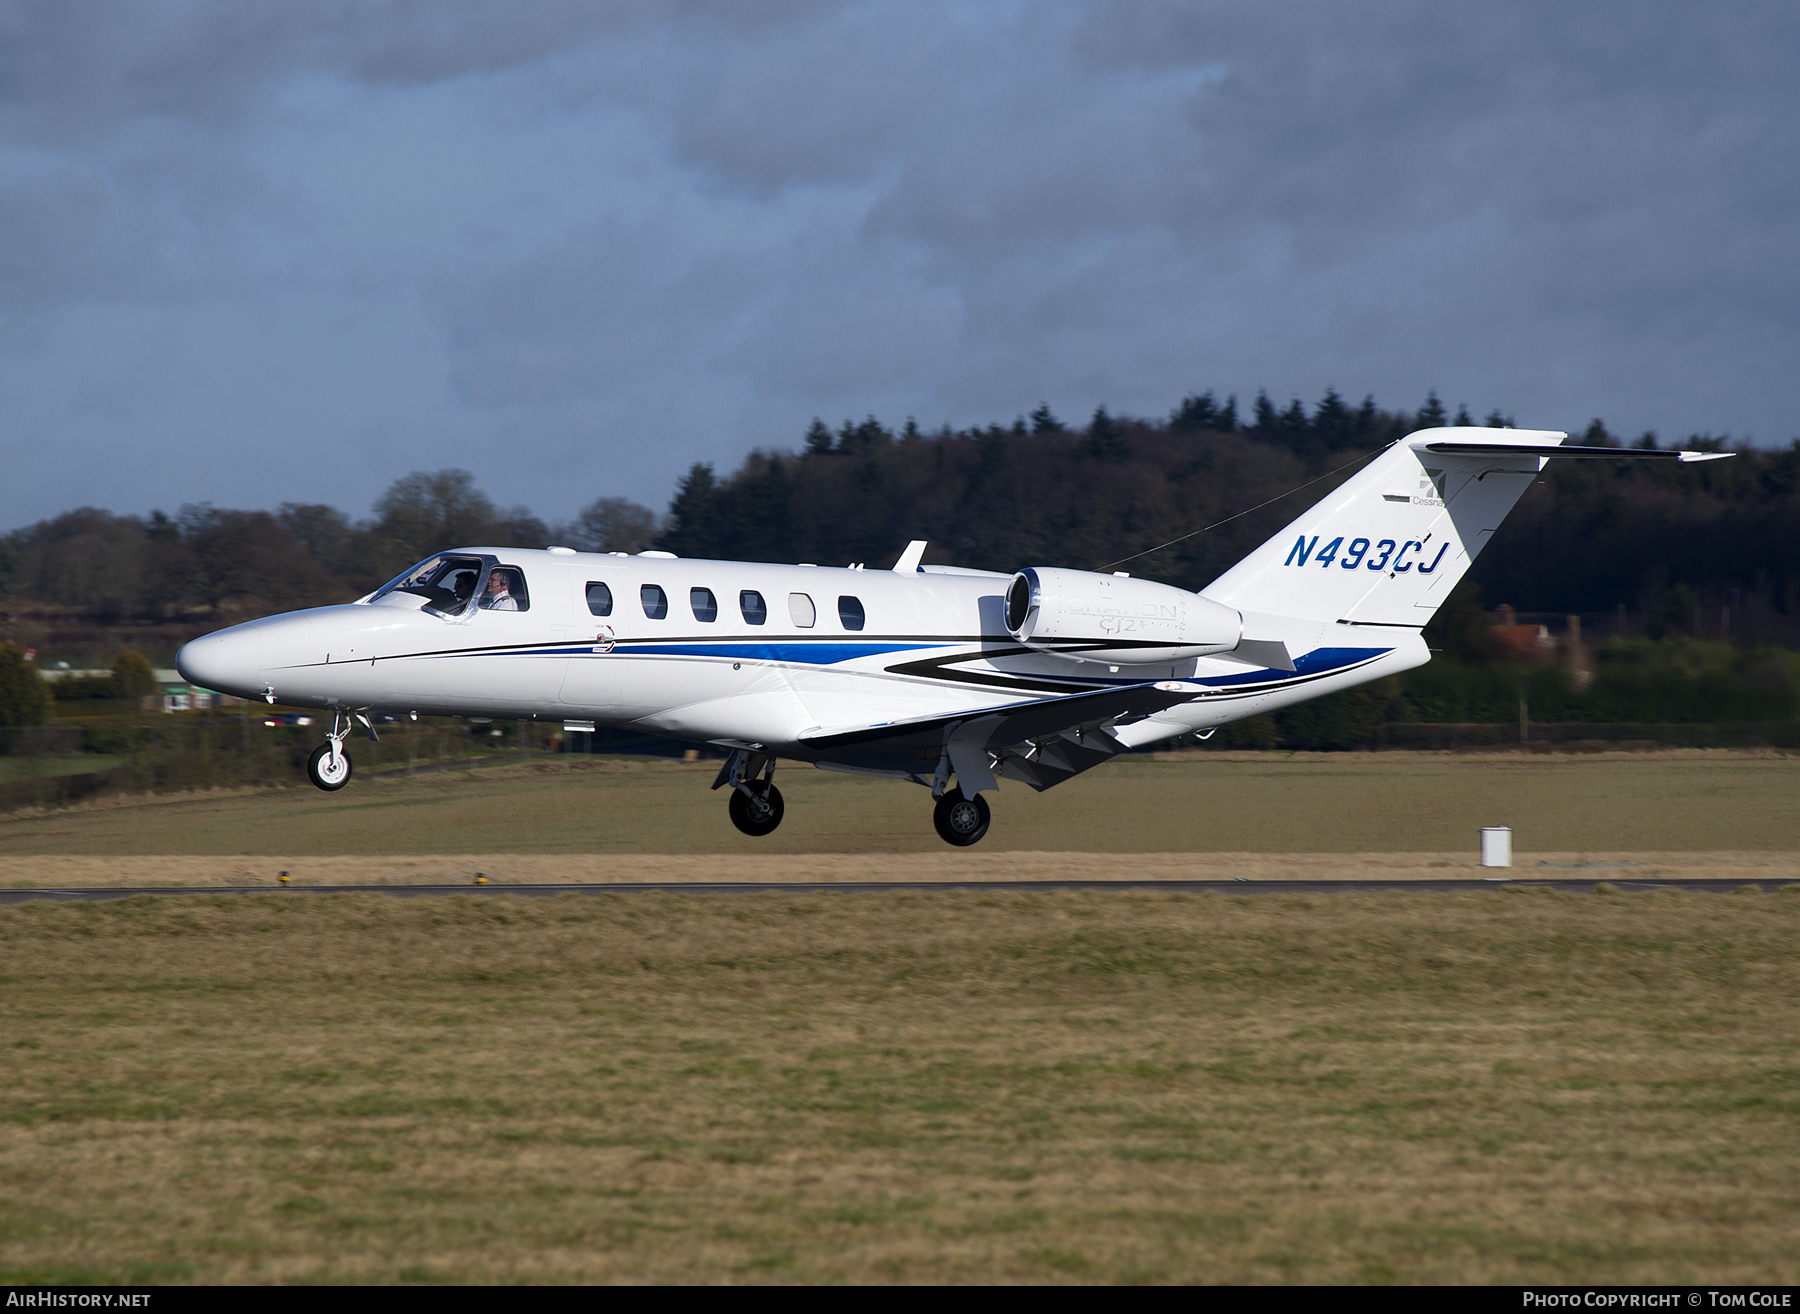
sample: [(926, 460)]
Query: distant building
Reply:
[(180, 696), (1535, 645), (1530, 643), (175, 694)]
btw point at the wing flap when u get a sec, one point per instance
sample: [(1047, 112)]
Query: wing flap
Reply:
[(1017, 722)]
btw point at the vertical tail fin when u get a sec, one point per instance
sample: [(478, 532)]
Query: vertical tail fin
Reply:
[(1387, 547)]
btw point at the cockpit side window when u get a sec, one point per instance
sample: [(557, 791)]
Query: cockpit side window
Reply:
[(446, 583), (506, 590)]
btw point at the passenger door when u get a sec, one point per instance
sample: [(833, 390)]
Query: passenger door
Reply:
[(505, 660)]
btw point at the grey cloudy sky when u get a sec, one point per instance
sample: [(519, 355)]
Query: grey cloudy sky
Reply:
[(255, 252)]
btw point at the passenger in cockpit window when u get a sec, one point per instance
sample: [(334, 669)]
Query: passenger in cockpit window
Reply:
[(450, 601), (499, 595)]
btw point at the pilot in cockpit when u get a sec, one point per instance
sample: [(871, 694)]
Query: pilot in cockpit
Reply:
[(499, 595), (463, 588)]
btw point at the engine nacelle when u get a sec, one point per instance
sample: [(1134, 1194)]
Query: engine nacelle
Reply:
[(1115, 619)]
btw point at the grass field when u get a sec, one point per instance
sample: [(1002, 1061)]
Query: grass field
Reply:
[(1692, 801), (1490, 1087), (42, 768), (1108, 1087)]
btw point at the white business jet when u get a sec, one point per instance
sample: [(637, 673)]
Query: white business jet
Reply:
[(952, 679)]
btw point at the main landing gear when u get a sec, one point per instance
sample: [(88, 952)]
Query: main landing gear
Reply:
[(329, 765), (756, 807), (961, 821)]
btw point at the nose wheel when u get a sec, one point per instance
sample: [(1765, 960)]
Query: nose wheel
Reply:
[(961, 821), (756, 809), (329, 766)]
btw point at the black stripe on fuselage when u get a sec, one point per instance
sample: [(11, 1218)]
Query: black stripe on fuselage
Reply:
[(934, 669)]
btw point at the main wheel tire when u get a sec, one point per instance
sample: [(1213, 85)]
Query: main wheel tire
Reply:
[(760, 815), (961, 821), (319, 768)]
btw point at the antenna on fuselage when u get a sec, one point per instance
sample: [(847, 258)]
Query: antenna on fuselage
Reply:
[(909, 559)]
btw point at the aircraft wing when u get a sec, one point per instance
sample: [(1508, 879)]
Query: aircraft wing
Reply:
[(1041, 743)]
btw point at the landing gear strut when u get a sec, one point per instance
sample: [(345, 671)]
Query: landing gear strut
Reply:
[(961, 821), (329, 766), (756, 807)]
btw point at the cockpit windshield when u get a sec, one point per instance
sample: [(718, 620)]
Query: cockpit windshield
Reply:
[(448, 584)]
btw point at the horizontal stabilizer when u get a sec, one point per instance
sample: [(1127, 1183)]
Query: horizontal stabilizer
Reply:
[(1563, 453)]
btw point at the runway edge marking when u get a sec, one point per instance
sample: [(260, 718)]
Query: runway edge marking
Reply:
[(1705, 885)]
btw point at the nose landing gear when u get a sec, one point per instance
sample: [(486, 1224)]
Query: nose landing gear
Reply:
[(329, 766), (756, 807), (961, 821)]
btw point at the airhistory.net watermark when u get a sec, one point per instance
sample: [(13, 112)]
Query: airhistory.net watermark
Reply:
[(77, 1300)]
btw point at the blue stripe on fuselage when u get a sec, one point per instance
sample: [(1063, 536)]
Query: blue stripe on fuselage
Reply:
[(810, 654), (1320, 661)]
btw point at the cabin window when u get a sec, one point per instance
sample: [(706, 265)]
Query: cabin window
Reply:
[(706, 607), (850, 613), (756, 611), (656, 602), (801, 608), (599, 598), (505, 590)]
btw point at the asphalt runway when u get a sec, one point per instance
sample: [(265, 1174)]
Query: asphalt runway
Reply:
[(1582, 885)]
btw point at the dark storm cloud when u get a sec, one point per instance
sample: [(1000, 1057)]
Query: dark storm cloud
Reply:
[(1515, 181), (608, 240)]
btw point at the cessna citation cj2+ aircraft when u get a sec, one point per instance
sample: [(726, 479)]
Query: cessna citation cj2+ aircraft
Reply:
[(952, 679)]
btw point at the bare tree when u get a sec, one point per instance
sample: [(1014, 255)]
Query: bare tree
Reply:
[(613, 524)]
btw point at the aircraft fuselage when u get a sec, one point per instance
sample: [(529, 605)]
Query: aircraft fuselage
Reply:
[(681, 648)]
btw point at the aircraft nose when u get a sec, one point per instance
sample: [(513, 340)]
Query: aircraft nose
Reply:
[(227, 662)]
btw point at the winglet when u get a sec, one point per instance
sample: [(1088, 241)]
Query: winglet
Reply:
[(909, 559)]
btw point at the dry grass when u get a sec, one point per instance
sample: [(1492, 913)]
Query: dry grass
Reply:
[(1491, 1087), (1344, 803)]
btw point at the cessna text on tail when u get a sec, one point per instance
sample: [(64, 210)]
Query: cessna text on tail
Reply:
[(952, 679)]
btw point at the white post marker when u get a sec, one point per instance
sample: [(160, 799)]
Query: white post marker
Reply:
[(1496, 846)]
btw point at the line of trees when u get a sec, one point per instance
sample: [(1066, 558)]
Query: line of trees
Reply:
[(211, 562), (1704, 558), (1673, 543)]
